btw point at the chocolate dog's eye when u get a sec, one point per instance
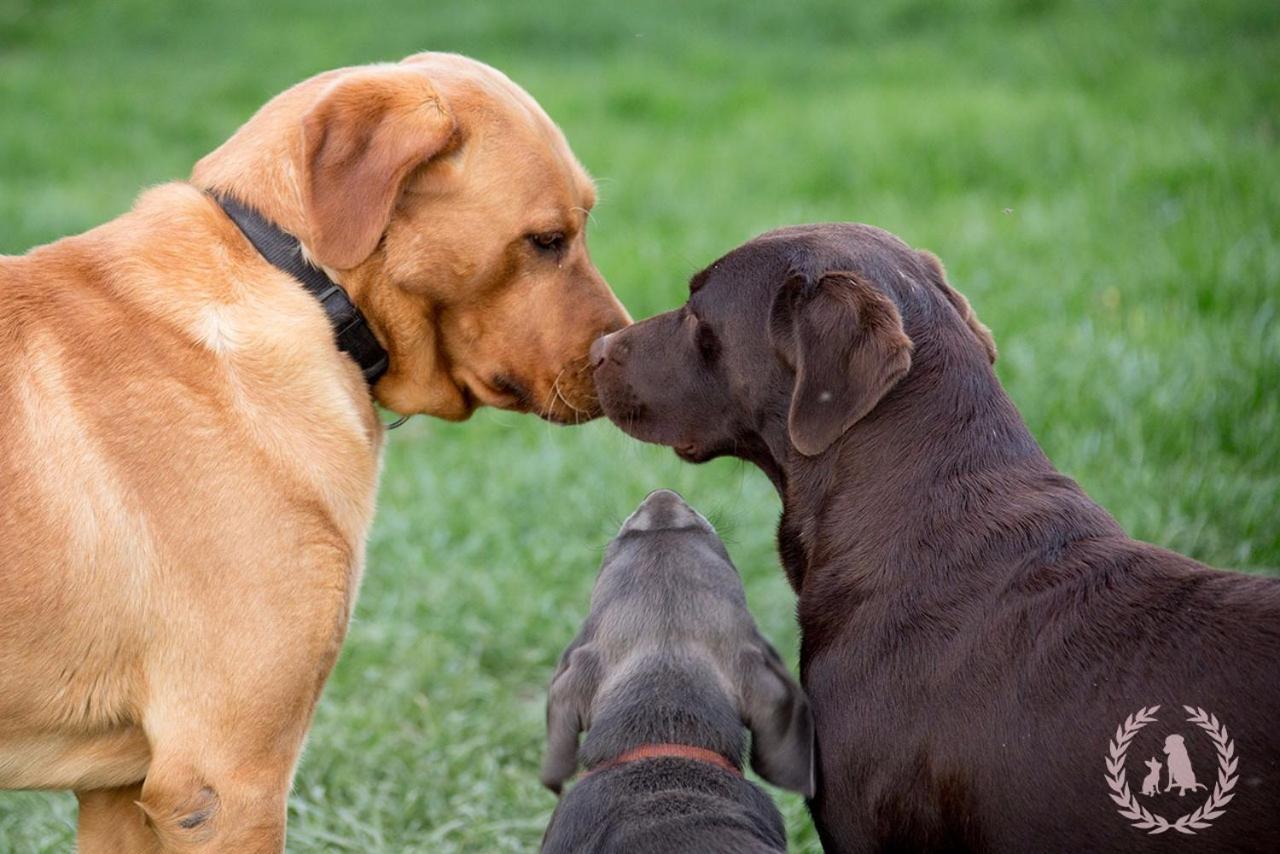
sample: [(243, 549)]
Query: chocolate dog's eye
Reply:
[(551, 242)]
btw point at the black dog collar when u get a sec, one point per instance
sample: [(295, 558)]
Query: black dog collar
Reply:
[(350, 330)]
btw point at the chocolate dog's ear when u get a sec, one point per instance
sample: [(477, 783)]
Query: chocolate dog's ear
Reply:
[(844, 338), (360, 142), (776, 711), (960, 304), (569, 699)]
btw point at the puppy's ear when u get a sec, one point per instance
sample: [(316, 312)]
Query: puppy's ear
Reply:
[(844, 338), (569, 700), (360, 142), (939, 278), (776, 711)]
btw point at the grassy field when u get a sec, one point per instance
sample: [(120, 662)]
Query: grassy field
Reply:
[(1102, 180)]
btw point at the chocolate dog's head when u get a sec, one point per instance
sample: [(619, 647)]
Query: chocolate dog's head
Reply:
[(670, 653), (784, 344)]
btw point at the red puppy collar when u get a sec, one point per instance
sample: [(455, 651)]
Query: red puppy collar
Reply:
[(680, 751)]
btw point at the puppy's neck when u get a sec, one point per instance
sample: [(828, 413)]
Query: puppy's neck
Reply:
[(663, 703)]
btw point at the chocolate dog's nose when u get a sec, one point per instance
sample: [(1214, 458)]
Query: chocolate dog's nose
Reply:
[(664, 509), (599, 350)]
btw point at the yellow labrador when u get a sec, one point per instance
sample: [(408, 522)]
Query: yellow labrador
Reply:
[(188, 460)]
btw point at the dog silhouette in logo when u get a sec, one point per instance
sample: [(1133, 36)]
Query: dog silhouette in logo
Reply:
[(1180, 774), (1151, 782)]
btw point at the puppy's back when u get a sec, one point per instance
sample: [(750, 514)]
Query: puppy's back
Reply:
[(666, 805)]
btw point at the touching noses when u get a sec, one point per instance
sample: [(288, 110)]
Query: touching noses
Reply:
[(603, 348)]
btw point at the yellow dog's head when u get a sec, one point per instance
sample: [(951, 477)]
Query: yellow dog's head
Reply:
[(450, 207)]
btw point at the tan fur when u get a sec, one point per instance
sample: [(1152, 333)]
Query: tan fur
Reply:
[(188, 464)]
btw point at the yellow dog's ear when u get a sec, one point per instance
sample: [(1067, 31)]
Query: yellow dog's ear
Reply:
[(360, 142)]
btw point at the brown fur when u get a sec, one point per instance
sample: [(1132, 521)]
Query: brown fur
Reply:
[(974, 627), (188, 463)]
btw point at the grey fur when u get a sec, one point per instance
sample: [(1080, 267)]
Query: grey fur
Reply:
[(670, 653)]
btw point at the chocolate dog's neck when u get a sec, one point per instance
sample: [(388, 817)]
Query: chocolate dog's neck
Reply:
[(941, 486)]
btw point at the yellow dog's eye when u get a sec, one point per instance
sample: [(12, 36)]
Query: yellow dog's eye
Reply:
[(550, 241)]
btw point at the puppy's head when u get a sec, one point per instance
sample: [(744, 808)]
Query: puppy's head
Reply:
[(669, 607), (799, 333), (451, 208)]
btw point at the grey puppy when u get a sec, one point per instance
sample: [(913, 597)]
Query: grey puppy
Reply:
[(666, 672)]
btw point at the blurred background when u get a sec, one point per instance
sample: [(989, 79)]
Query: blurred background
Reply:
[(1100, 179)]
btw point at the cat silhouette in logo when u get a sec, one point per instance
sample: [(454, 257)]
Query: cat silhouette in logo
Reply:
[(1151, 783), (1180, 773)]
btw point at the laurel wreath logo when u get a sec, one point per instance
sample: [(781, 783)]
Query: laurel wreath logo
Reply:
[(1138, 815)]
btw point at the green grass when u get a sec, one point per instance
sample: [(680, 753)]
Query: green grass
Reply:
[(1102, 180)]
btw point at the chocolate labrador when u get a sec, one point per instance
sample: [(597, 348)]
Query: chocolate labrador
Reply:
[(982, 644), (189, 448), (666, 671)]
